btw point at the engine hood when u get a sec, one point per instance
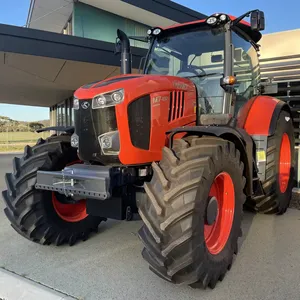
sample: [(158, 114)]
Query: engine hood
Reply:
[(151, 105), (134, 84)]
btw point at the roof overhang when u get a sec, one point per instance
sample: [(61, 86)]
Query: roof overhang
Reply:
[(49, 15), (43, 68), (53, 15)]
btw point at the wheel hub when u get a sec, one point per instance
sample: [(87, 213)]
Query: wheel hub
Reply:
[(66, 210), (70, 212), (211, 211)]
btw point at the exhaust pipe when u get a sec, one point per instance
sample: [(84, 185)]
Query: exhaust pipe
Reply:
[(125, 52)]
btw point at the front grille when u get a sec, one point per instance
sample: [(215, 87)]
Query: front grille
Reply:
[(176, 108), (139, 121), (89, 124)]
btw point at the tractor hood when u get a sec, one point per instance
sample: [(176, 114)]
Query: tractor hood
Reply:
[(133, 112), (134, 85)]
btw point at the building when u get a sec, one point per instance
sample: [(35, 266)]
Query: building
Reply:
[(68, 43), (280, 63)]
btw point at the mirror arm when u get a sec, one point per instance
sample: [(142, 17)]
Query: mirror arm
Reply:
[(247, 37), (240, 18)]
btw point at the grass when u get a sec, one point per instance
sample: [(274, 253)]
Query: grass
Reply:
[(16, 141), (21, 137), (14, 148)]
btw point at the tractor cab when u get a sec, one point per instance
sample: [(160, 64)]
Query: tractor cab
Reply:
[(219, 55)]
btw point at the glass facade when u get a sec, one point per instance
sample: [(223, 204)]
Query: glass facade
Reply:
[(64, 113), (68, 29), (94, 23), (90, 22)]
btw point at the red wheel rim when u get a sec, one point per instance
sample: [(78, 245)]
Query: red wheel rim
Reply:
[(284, 163), (217, 234), (70, 212)]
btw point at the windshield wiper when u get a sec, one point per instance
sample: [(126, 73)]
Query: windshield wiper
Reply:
[(200, 76), (172, 53)]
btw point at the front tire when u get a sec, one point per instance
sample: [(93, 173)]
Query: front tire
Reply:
[(38, 215), (180, 246)]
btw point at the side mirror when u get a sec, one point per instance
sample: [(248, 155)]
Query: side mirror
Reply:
[(118, 46), (142, 64), (257, 20)]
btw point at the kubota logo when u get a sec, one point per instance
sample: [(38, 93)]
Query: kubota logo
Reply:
[(181, 85), (85, 105)]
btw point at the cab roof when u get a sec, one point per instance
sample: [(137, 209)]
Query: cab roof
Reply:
[(243, 25)]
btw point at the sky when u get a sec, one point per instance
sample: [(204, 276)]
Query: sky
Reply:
[(280, 15), (14, 12)]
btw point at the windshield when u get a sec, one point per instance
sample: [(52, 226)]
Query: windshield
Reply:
[(196, 54)]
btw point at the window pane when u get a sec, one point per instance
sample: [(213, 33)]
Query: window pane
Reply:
[(246, 69), (57, 116), (196, 54), (61, 116)]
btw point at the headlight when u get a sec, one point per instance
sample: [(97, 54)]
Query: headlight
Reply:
[(74, 140), (110, 143), (156, 31), (212, 20), (75, 103), (223, 18), (108, 99)]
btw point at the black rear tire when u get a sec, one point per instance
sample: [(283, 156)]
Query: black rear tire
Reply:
[(175, 209), (276, 201), (31, 211)]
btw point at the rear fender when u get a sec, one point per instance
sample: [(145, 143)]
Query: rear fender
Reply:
[(239, 137), (258, 117), (260, 114)]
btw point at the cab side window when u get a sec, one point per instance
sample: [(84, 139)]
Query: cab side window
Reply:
[(246, 70)]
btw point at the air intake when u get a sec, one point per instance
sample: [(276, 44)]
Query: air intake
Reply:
[(176, 108)]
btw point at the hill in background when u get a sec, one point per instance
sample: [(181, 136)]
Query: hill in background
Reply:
[(10, 125)]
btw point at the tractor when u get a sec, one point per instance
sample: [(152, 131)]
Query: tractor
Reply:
[(188, 144)]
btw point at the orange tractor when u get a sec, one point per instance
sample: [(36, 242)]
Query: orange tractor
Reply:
[(187, 144)]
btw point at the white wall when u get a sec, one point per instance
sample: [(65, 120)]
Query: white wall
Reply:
[(282, 43)]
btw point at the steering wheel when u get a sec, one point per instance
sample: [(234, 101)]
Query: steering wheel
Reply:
[(194, 68)]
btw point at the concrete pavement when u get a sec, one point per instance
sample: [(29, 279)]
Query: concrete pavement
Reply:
[(109, 265), (13, 286)]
